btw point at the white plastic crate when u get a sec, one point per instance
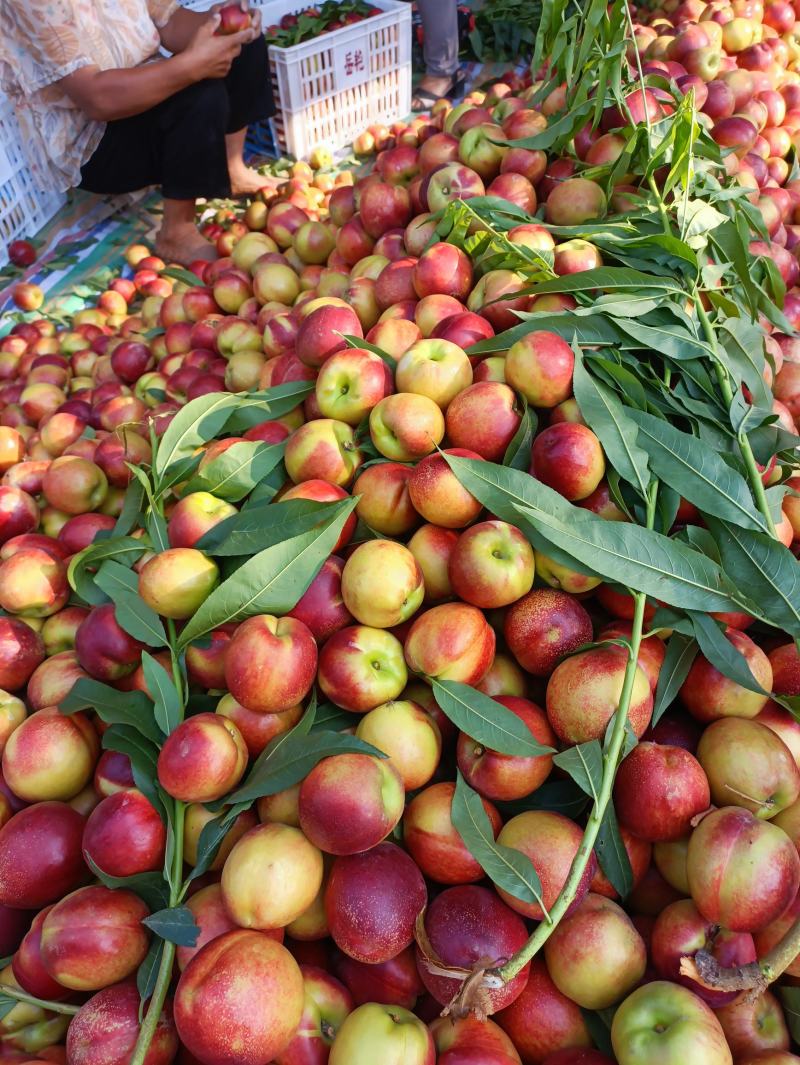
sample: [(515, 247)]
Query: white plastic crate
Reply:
[(328, 90), (24, 207)]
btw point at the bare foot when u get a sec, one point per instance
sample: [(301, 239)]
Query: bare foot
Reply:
[(245, 181), (184, 244)]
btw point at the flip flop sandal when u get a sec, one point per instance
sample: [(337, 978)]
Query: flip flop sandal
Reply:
[(428, 99)]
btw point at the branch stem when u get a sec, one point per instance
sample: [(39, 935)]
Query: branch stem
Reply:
[(31, 1000)]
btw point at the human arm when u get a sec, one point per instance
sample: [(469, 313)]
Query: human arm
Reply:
[(107, 95)]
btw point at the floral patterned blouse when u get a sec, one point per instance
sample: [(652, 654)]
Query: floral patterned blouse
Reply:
[(42, 41)]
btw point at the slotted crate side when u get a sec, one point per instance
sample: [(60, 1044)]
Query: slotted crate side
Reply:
[(313, 110), (24, 207)]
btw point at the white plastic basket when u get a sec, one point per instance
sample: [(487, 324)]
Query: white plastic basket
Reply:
[(24, 207), (330, 89)]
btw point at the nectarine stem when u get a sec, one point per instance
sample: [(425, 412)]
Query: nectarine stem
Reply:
[(31, 1000), (610, 760), (755, 976), (175, 878)]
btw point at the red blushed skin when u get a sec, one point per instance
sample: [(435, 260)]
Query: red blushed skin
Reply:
[(467, 925), (433, 310), (577, 1057), (516, 188), (324, 449), (751, 1027), (194, 515), (37, 540), (394, 337), (385, 504), (652, 651), (540, 366), (125, 835), (620, 604), (353, 242), (468, 1041), (326, 1004), (361, 667), (212, 919), (81, 530), (543, 626), (383, 207), (583, 694), (318, 337), (21, 651), (395, 283), (743, 873), (596, 956), (206, 665), (483, 419), (239, 1000), (748, 764), (708, 695), (114, 453), (257, 729), (438, 150), (783, 724), (639, 853), (28, 968), (267, 432), (464, 329), (34, 583), (659, 790), (103, 648), (74, 485), (785, 662), (432, 547), (105, 1030), (451, 642), (568, 458), (50, 755), (492, 565), (493, 298), (27, 478), (270, 663), (444, 269), (15, 923), (575, 256), (350, 802), (676, 729), (202, 759), (321, 607), (680, 931), (53, 680), (18, 511), (60, 629), (504, 678), (504, 777), (94, 937), (551, 841), (542, 1020), (372, 901), (323, 492), (113, 773), (394, 982), (433, 842)]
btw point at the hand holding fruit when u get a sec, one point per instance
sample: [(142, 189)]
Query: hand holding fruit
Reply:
[(211, 54)]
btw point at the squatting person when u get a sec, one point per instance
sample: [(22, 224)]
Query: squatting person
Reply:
[(112, 114)]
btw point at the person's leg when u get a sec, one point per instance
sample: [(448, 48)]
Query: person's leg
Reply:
[(440, 46), (179, 144), (249, 100)]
